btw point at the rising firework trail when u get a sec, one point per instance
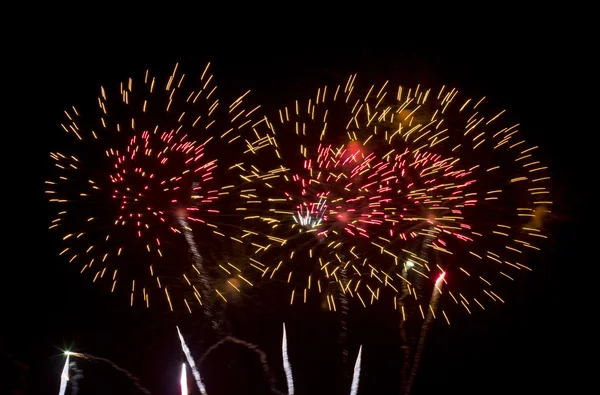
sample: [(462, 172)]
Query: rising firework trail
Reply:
[(64, 376), (190, 359), (356, 375), (287, 367), (183, 381)]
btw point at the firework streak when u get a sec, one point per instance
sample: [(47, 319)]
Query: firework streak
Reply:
[(64, 376), (190, 359), (287, 367)]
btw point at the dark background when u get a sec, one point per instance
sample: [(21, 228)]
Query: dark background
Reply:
[(526, 346)]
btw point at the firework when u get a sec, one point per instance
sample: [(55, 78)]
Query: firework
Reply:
[(468, 207), (424, 195), (469, 195), (139, 196), (64, 376), (356, 374), (183, 381), (289, 377), (321, 204)]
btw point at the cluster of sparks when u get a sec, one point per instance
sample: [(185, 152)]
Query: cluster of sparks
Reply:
[(195, 371), (426, 186), (367, 193), (425, 196), (146, 178)]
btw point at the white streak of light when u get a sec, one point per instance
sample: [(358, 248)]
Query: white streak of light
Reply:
[(356, 375), (183, 380), (64, 377), (190, 360), (312, 216), (286, 364)]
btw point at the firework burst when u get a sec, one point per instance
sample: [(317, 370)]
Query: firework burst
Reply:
[(469, 205), (469, 195), (431, 183), (139, 196), (321, 204)]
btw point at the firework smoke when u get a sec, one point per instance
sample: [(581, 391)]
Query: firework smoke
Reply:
[(252, 347), (199, 264), (126, 373)]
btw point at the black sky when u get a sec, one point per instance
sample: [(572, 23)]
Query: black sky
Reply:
[(520, 348)]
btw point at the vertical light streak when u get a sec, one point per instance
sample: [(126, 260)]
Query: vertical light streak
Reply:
[(64, 376), (183, 380), (192, 364), (287, 367), (356, 375)]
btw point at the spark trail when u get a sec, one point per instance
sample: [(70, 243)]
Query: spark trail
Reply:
[(64, 376), (356, 375), (183, 380), (287, 367), (190, 359)]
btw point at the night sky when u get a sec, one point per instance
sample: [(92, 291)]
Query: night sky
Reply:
[(515, 348)]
